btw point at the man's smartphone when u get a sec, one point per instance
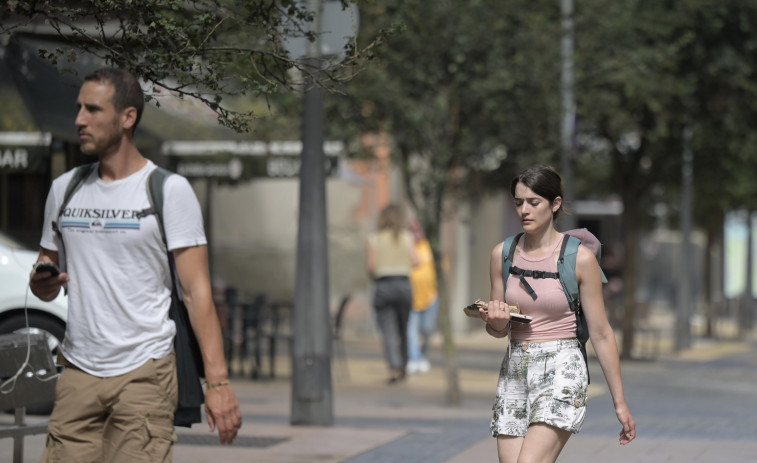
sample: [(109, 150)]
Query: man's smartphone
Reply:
[(49, 267)]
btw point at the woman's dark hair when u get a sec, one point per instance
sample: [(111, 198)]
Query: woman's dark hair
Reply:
[(542, 180), (127, 92)]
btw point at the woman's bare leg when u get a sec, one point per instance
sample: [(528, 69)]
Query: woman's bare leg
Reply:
[(543, 444), (508, 448)]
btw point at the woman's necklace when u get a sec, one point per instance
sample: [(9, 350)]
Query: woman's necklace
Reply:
[(538, 251)]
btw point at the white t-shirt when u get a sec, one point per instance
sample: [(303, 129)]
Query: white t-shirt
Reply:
[(120, 288)]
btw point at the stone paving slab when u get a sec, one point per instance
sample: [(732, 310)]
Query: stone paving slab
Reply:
[(300, 444), (605, 450)]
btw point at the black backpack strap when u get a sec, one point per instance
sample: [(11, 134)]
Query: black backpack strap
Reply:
[(189, 366), (522, 274), (80, 174), (155, 183), (534, 273), (155, 195)]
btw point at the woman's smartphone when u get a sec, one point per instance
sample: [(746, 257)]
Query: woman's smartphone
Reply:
[(49, 267), (520, 318), (473, 311)]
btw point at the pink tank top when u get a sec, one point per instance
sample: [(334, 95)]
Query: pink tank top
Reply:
[(553, 318)]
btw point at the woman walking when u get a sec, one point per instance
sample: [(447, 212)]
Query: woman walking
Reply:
[(542, 389), (390, 258)]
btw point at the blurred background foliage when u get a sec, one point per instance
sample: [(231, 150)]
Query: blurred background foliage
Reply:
[(473, 87)]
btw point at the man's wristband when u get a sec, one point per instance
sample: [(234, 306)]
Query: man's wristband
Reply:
[(218, 384)]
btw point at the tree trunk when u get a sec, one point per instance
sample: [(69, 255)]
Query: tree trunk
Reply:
[(746, 306), (708, 290), (433, 234), (452, 394), (713, 264)]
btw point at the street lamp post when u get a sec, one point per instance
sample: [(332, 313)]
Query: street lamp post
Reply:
[(685, 301), (568, 107), (312, 394)]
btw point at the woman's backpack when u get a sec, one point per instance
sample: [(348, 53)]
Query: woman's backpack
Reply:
[(566, 273)]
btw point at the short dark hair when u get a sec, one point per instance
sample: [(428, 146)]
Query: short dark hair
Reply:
[(127, 91), (542, 180)]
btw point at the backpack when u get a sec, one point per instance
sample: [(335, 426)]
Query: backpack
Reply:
[(189, 365), (566, 273)]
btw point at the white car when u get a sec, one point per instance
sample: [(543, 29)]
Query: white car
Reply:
[(17, 301)]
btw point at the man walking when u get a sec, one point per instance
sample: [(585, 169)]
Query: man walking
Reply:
[(116, 398)]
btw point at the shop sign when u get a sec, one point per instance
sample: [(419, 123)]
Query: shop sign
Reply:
[(243, 160), (232, 169), (245, 168), (289, 166), (24, 152)]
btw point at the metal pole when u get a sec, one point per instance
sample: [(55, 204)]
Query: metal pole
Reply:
[(568, 108), (209, 224), (685, 301), (4, 201), (18, 439), (312, 397), (747, 302)]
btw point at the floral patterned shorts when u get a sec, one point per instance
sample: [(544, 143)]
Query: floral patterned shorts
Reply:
[(543, 382)]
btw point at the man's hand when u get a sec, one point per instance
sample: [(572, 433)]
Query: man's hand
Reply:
[(221, 404), (222, 408), (44, 285)]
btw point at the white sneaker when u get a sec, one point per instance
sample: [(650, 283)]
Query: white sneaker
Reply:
[(413, 367), (423, 366)]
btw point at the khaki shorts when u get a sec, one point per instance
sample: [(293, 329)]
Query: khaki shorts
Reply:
[(542, 382), (127, 418)]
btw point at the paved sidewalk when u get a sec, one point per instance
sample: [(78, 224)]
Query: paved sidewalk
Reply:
[(409, 422)]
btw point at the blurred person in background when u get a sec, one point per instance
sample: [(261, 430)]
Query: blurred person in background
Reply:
[(391, 256), (422, 322)]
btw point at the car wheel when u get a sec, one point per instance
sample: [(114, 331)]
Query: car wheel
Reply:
[(38, 324)]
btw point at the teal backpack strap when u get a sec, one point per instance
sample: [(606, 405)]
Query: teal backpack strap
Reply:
[(566, 267), (80, 174), (508, 252)]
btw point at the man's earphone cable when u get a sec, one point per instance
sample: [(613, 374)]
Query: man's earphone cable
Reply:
[(7, 386)]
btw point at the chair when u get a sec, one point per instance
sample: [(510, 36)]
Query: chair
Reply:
[(252, 315), (339, 348), (277, 326)]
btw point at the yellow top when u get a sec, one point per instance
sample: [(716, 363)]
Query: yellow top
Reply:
[(423, 277)]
